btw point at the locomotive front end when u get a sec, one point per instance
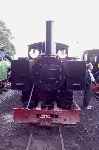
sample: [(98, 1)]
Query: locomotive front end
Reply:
[(47, 79)]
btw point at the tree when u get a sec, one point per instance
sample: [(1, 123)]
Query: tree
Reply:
[(5, 39)]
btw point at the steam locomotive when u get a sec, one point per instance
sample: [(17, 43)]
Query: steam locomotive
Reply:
[(48, 74)]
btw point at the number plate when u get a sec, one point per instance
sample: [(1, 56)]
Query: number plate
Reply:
[(43, 116)]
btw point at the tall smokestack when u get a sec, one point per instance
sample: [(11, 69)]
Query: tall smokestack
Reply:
[(50, 44)]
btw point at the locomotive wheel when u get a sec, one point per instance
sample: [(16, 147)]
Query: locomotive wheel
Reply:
[(65, 100)]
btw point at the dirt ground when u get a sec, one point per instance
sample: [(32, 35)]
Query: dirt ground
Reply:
[(84, 136)]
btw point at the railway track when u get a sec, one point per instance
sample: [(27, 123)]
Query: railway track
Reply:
[(28, 137), (55, 142)]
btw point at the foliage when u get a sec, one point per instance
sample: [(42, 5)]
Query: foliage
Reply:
[(5, 39)]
